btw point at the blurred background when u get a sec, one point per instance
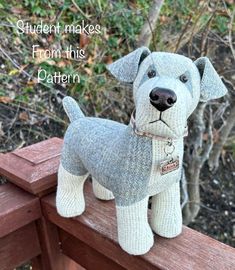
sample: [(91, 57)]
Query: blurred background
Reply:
[(32, 111)]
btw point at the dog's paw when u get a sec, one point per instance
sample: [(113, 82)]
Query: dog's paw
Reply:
[(69, 204), (136, 242), (167, 225), (166, 214), (69, 197), (169, 231), (101, 192), (134, 233)]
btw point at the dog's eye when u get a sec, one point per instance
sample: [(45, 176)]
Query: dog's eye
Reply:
[(183, 78), (151, 73)]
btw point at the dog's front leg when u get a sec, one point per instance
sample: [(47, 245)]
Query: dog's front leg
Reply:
[(134, 233), (166, 215), (69, 197)]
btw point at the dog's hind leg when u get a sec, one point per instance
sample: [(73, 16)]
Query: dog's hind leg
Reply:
[(166, 215), (71, 177), (134, 233), (101, 192), (69, 197)]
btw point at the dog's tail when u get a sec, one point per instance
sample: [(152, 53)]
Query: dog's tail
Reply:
[(72, 109)]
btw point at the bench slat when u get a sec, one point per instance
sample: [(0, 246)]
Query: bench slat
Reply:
[(17, 208), (97, 228)]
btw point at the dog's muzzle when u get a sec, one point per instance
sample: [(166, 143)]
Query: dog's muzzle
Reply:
[(162, 98)]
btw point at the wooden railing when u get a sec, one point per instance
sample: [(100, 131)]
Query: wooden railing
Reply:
[(31, 229)]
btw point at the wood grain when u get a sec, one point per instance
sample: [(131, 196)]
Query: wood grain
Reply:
[(19, 247), (17, 208), (33, 168), (51, 257), (85, 255), (97, 228), (40, 152)]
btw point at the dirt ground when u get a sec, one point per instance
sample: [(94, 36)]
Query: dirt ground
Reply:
[(217, 214)]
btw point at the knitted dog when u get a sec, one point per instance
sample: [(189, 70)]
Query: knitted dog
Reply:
[(142, 159)]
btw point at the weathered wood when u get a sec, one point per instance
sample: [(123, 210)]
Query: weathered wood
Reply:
[(19, 247), (97, 228), (51, 256), (40, 152), (33, 168), (85, 255), (17, 208), (36, 263)]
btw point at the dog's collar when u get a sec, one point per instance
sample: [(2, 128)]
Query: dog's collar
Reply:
[(155, 137)]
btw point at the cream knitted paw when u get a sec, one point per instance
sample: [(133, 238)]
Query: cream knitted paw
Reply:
[(101, 192), (69, 197), (166, 215), (134, 233)]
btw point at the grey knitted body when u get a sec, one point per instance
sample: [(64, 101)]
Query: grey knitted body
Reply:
[(116, 157)]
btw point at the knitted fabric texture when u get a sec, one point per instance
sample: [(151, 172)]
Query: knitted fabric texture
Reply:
[(126, 166), (120, 160)]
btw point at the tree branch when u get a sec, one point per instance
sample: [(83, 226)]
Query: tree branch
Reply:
[(149, 26), (224, 133), (208, 147)]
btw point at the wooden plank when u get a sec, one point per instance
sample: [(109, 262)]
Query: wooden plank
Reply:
[(17, 208), (40, 152), (19, 247), (86, 256), (51, 257), (97, 228), (35, 167), (36, 263)]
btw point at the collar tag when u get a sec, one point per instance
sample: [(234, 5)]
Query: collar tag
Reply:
[(168, 166)]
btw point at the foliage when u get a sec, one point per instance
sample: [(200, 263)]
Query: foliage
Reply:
[(121, 22)]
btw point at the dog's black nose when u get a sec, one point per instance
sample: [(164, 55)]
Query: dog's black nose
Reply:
[(162, 98)]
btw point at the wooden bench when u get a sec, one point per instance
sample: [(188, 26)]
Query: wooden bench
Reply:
[(91, 239)]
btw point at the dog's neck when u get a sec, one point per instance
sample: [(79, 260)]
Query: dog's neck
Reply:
[(153, 136)]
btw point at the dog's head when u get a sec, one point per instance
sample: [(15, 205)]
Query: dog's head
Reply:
[(167, 88)]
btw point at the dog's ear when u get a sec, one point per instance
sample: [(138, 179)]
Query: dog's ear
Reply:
[(212, 86), (126, 68)]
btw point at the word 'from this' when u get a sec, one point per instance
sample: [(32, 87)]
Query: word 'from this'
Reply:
[(69, 53)]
